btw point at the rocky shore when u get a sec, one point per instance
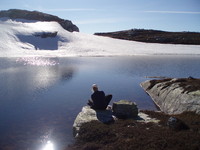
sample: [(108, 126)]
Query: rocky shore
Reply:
[(88, 115), (122, 109), (123, 126), (175, 96), (150, 130)]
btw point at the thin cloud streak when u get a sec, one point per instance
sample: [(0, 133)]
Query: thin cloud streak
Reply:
[(70, 9), (100, 21), (173, 12)]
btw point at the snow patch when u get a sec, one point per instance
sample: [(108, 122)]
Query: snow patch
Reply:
[(49, 39)]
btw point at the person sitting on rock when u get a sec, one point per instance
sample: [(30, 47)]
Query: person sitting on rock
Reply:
[(98, 99)]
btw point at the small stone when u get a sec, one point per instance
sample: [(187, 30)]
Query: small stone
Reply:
[(176, 124)]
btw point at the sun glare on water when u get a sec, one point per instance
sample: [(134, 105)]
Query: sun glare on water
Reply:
[(38, 61), (49, 146)]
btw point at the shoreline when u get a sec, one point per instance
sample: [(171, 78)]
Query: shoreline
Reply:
[(124, 133), (101, 56), (174, 95), (130, 134)]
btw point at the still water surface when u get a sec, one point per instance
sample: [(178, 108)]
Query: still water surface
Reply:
[(40, 97)]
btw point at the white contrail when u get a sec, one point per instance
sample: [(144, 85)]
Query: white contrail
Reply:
[(172, 12), (69, 9)]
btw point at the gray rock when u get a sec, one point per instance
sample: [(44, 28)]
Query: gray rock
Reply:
[(69, 26), (106, 116), (87, 115), (142, 117), (176, 124), (171, 96), (124, 109)]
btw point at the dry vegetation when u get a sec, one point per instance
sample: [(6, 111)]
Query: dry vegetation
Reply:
[(129, 134)]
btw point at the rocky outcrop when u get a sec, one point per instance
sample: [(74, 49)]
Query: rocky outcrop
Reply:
[(107, 116), (175, 96), (38, 16), (155, 36), (125, 109), (88, 114), (69, 26)]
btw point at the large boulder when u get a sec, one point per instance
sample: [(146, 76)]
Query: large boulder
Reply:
[(88, 114), (175, 96), (106, 116), (124, 109)]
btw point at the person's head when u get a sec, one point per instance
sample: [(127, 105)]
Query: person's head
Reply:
[(94, 87)]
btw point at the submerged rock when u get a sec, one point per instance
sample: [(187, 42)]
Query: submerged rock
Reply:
[(175, 96), (88, 114)]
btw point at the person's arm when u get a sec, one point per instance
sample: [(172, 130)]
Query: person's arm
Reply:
[(92, 97), (103, 93)]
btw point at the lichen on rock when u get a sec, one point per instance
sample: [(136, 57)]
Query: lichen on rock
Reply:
[(175, 96)]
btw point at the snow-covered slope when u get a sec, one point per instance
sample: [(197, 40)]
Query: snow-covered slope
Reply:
[(33, 38)]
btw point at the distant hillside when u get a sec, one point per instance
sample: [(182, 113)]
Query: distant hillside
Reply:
[(155, 36), (39, 16)]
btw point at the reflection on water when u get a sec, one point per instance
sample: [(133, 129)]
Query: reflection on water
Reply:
[(38, 61), (40, 97), (22, 80), (27, 114)]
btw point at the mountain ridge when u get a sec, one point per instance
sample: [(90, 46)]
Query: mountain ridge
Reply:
[(39, 16), (155, 36)]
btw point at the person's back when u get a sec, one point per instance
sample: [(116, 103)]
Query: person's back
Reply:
[(98, 98)]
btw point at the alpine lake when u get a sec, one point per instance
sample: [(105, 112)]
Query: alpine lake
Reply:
[(40, 97)]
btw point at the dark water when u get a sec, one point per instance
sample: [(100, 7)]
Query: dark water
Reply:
[(40, 97)]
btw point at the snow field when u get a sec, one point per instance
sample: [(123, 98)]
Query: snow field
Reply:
[(20, 39)]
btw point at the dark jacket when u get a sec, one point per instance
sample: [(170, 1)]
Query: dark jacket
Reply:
[(98, 98)]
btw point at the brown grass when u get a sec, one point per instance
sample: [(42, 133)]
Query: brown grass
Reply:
[(132, 135)]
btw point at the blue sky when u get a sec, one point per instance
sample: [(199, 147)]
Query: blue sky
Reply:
[(113, 15)]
